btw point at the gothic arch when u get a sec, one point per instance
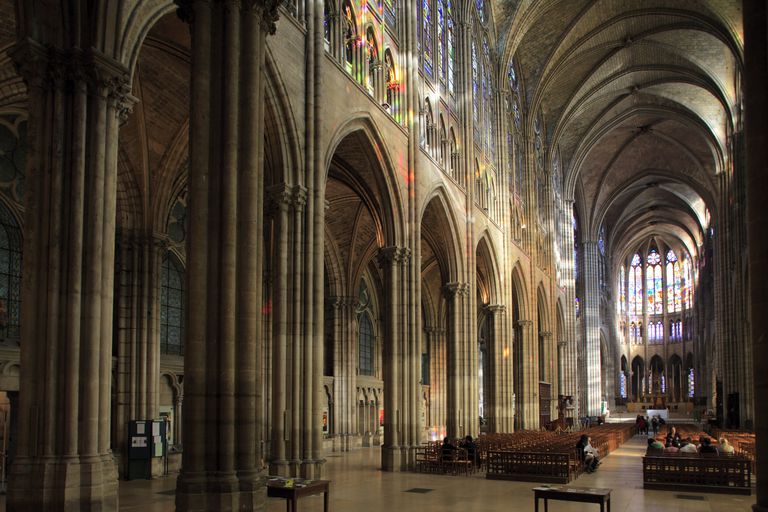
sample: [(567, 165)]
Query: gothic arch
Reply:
[(488, 268), (381, 178), (436, 210)]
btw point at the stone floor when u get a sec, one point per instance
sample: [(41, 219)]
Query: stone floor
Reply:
[(358, 485)]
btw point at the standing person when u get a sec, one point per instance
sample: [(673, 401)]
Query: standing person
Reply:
[(655, 425), (642, 426), (446, 450)]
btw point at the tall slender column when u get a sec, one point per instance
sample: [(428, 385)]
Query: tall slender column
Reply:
[(138, 333), (400, 396), (457, 402), (591, 371), (223, 362), (63, 458), (527, 404), (499, 410), (756, 79), (570, 376), (345, 365)]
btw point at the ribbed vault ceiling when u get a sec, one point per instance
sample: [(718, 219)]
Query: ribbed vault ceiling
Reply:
[(639, 98)]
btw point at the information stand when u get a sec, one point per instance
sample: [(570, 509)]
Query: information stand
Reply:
[(146, 440)]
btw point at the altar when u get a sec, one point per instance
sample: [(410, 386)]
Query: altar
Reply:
[(661, 413)]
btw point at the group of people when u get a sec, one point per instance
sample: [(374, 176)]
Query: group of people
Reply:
[(448, 448), (673, 443), (643, 424)]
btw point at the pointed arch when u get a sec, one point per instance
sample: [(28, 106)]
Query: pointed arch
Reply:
[(436, 207), (379, 182), (488, 267)]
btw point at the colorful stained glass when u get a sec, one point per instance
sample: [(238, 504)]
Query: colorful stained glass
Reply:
[(449, 43), (687, 285), (623, 385), (690, 383), (365, 344), (622, 290), (480, 9), (512, 76), (475, 110), (390, 13), (653, 283), (440, 41), (427, 39)]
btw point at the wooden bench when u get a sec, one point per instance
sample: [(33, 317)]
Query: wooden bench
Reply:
[(529, 466), (703, 473), (601, 497)]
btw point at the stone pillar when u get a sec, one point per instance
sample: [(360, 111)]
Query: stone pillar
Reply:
[(223, 364), (458, 385), (591, 395), (570, 376), (345, 361), (138, 270), (756, 112), (499, 395), (63, 459), (527, 403), (400, 395)]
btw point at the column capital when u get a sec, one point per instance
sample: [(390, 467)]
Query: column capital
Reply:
[(525, 323), (562, 343), (454, 289), (545, 334), (393, 255), (280, 196), (496, 309)]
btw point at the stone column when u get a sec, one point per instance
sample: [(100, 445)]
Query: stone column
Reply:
[(500, 364), (223, 365), (345, 362), (138, 264), (527, 407), (591, 395), (570, 375), (400, 396), (63, 458), (756, 80), (458, 400)]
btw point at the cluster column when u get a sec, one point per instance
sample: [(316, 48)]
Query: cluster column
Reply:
[(590, 373), (500, 417), (756, 80), (223, 364), (138, 271), (63, 457), (402, 358)]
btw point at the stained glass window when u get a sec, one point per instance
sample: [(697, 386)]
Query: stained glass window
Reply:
[(10, 275), (449, 43), (653, 284), (475, 109), (623, 385), (326, 22), (512, 75), (390, 13), (365, 344), (480, 9), (690, 383), (440, 41), (622, 290), (636, 287), (687, 284), (427, 42), (350, 36), (677, 287), (172, 306)]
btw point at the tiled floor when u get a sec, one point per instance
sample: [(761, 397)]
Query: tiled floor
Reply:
[(358, 485)]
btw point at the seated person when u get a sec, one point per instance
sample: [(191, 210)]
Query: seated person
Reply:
[(447, 449), (471, 448), (725, 447), (688, 446), (654, 445), (590, 456), (707, 447), (673, 438)]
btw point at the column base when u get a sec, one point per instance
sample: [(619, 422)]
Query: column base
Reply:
[(396, 458), (312, 469), (226, 492), (63, 483), (279, 467)]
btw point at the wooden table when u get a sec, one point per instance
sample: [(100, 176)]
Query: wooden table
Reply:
[(299, 489), (579, 494)]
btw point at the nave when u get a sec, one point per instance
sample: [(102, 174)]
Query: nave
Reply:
[(358, 484)]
